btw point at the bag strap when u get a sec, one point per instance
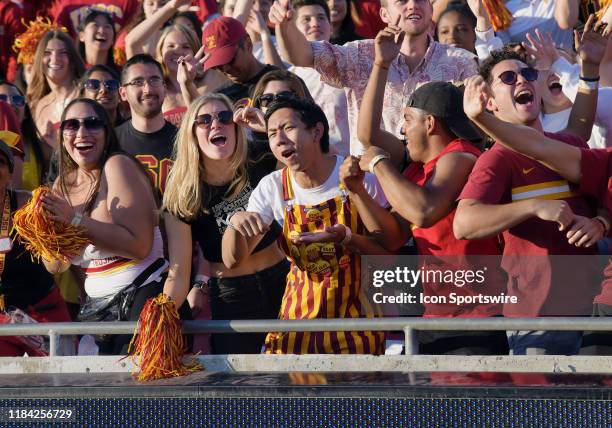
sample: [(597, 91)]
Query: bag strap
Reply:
[(142, 277)]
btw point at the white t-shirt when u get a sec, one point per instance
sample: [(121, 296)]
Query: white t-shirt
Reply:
[(527, 15), (267, 198)]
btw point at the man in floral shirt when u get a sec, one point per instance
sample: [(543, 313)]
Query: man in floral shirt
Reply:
[(421, 59)]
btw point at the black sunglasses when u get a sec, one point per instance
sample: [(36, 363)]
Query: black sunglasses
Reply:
[(14, 100), (92, 124), (266, 99), (111, 85), (510, 77), (224, 117)]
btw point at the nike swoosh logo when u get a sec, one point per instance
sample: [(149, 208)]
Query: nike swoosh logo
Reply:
[(528, 170)]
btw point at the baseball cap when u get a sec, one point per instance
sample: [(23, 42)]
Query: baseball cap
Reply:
[(6, 151), (220, 39), (445, 101)]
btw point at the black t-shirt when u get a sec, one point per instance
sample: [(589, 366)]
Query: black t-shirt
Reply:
[(24, 281), (154, 150), (208, 229), (238, 91)]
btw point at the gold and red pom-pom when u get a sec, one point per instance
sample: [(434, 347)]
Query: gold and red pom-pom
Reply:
[(44, 237), (158, 342)]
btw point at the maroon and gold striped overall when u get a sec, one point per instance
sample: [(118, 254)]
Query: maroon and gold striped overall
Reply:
[(323, 282)]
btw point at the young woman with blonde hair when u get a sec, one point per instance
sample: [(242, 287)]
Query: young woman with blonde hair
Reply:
[(200, 202)]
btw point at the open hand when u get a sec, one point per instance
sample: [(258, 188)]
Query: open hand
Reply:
[(475, 96), (335, 234), (585, 232), (59, 209), (542, 49), (591, 43)]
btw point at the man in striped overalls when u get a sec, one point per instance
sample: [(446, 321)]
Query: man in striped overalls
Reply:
[(323, 235)]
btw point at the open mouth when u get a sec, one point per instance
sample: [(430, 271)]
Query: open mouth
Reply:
[(287, 154), (524, 97), (100, 39), (414, 17), (149, 99), (83, 147), (218, 140), (555, 88)]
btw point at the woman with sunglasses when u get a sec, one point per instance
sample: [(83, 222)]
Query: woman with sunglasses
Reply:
[(275, 85), (96, 39), (108, 194), (57, 69), (101, 83), (199, 202)]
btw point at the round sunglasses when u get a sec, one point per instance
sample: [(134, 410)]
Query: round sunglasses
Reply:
[(14, 100), (110, 85), (205, 120), (510, 77), (266, 99), (71, 126)]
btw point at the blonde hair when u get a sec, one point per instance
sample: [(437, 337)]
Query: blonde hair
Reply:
[(186, 193), (191, 37)]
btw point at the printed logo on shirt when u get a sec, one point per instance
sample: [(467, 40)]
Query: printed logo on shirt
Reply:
[(224, 210), (528, 170)]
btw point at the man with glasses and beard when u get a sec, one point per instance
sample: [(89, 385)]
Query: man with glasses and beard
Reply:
[(147, 136), (537, 213)]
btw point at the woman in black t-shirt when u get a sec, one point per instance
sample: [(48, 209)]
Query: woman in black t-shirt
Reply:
[(214, 172)]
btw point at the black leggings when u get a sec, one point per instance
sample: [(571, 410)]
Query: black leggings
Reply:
[(248, 297)]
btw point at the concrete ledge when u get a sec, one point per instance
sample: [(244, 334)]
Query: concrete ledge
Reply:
[(325, 363)]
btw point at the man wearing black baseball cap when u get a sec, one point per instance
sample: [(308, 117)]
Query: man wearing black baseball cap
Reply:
[(441, 156)]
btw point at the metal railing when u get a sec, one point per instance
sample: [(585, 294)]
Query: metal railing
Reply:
[(408, 325)]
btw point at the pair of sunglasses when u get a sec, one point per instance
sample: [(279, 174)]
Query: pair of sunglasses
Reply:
[(224, 117), (266, 99), (71, 126), (14, 100), (510, 77), (110, 85)]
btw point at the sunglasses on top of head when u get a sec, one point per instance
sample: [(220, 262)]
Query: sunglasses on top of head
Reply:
[(71, 126), (110, 85), (14, 100), (266, 99), (510, 77), (224, 117)]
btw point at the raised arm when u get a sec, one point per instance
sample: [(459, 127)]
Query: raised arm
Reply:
[(591, 46), (292, 42), (425, 205), (138, 36), (387, 47), (566, 13), (561, 157), (384, 226)]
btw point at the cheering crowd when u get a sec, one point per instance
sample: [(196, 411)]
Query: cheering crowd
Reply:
[(240, 157)]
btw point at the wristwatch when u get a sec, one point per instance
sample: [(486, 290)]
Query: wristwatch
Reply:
[(201, 285)]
